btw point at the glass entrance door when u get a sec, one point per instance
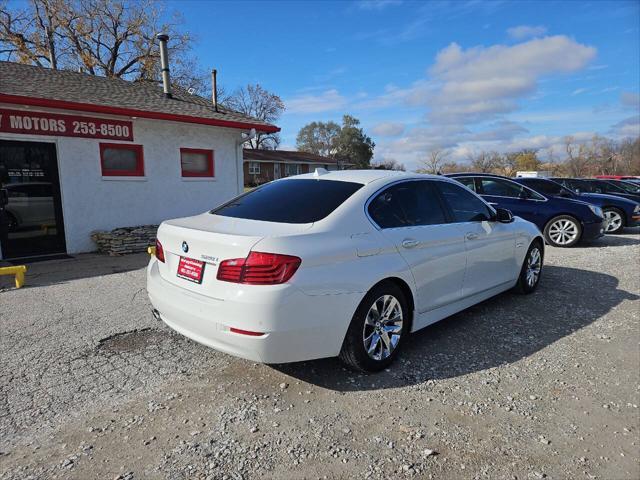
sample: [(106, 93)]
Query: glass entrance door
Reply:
[(30, 207)]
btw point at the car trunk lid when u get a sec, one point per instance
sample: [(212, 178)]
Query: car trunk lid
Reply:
[(211, 239)]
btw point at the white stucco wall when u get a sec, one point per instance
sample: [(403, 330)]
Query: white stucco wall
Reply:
[(92, 202)]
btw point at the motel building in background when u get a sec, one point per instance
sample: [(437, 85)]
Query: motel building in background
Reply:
[(80, 153)]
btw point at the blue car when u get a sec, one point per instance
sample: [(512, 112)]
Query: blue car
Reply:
[(618, 212), (595, 185), (562, 221)]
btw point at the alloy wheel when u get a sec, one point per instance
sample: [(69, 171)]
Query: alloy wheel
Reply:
[(563, 232), (534, 266), (382, 327), (613, 220)]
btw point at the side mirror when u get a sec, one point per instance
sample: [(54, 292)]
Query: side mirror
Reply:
[(4, 197), (503, 215)]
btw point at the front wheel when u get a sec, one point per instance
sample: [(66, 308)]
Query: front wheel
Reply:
[(563, 231), (614, 219), (531, 269), (377, 329)]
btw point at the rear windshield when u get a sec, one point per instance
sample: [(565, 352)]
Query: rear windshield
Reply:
[(290, 201)]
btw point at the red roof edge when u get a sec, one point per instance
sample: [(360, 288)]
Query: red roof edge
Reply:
[(130, 112)]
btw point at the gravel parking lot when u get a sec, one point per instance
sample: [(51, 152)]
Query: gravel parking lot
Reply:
[(542, 386)]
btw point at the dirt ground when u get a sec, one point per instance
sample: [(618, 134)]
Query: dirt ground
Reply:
[(518, 387)]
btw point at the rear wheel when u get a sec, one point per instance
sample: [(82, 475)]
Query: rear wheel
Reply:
[(563, 231), (377, 329), (614, 219), (12, 222), (531, 269)]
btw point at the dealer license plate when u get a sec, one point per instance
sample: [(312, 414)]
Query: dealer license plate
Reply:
[(190, 269)]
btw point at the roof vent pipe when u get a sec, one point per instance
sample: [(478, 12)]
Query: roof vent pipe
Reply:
[(214, 88), (164, 64)]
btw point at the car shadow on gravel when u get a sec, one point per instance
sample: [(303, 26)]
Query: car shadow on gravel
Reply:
[(85, 265), (499, 331), (611, 241)]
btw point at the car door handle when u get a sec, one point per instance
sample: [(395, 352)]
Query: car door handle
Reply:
[(409, 243), (472, 236)]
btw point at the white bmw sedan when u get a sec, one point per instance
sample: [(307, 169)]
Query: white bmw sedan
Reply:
[(341, 263)]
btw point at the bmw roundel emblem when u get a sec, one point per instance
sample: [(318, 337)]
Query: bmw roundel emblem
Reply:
[(185, 247)]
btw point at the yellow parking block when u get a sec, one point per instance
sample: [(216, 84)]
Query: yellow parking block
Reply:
[(151, 251), (18, 271)]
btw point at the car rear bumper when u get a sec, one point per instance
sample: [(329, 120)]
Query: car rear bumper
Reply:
[(591, 231), (294, 326)]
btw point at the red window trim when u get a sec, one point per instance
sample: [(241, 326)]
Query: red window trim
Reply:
[(210, 172), (139, 170)]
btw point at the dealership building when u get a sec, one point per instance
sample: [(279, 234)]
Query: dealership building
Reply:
[(80, 153)]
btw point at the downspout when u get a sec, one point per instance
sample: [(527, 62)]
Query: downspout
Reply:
[(244, 138)]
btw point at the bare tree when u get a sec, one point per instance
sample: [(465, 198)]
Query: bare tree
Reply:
[(388, 164), (576, 163), (629, 157), (434, 161), (255, 101), (112, 38), (482, 162)]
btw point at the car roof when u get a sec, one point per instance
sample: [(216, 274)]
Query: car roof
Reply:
[(473, 174), (362, 176), (526, 179)]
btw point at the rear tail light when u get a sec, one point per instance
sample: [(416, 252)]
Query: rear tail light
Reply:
[(159, 251), (259, 269)]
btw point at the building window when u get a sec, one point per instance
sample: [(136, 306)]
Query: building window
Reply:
[(121, 160), (292, 169), (254, 168), (196, 162)]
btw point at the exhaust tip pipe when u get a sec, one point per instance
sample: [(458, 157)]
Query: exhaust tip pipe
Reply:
[(156, 314), (164, 64)]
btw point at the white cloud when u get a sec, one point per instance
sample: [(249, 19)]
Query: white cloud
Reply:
[(578, 91), (388, 129), (377, 4), (629, 127), (630, 99), (499, 131), (526, 31), (481, 82), (324, 102)]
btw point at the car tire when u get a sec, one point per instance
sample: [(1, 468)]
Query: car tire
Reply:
[(364, 347), (615, 220), (12, 222), (531, 270), (563, 231)]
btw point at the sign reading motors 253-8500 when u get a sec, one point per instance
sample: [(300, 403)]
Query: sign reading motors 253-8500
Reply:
[(43, 123)]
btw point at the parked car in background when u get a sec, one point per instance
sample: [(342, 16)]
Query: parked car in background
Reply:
[(593, 185), (617, 177), (341, 263), (30, 205), (618, 212), (563, 221), (628, 185)]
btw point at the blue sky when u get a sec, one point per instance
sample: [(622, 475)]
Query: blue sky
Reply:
[(458, 75)]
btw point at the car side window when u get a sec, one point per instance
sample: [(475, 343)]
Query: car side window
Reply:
[(501, 188), (609, 187), (464, 205), (504, 188), (468, 182), (577, 186), (407, 204), (545, 186)]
